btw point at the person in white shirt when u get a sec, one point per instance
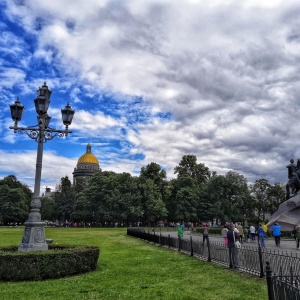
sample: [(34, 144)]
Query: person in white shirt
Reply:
[(252, 233)]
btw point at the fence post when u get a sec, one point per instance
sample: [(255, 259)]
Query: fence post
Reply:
[(179, 243), (208, 248), (192, 249), (260, 259), (230, 259), (269, 281), (169, 241), (153, 237)]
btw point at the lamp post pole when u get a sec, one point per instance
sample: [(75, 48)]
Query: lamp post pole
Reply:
[(34, 234)]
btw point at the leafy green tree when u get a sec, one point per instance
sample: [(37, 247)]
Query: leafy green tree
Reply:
[(260, 191), (48, 209), (83, 211), (211, 199), (187, 188), (277, 196), (153, 179), (13, 205), (110, 197), (154, 207), (237, 204), (64, 199), (188, 167)]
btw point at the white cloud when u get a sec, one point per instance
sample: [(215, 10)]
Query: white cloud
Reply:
[(226, 71)]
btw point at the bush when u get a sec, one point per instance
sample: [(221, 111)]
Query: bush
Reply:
[(211, 230), (57, 262)]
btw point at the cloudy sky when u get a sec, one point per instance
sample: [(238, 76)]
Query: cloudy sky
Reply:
[(153, 80)]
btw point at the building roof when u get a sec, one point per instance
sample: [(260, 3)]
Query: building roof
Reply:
[(88, 157)]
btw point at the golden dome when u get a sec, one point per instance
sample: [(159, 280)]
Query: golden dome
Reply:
[(88, 157)]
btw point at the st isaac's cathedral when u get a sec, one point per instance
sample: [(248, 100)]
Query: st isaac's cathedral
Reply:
[(87, 165)]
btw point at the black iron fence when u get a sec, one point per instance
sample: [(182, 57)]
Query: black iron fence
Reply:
[(282, 285)]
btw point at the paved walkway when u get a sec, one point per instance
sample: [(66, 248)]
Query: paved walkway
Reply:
[(286, 245)]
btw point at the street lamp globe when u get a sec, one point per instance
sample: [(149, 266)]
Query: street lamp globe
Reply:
[(16, 110), (67, 114), (43, 100)]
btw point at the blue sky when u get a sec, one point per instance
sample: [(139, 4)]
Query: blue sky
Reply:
[(152, 81)]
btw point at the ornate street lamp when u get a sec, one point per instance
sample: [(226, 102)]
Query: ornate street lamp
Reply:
[(34, 234)]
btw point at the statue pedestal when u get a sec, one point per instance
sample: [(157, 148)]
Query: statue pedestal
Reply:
[(288, 214), (34, 237)]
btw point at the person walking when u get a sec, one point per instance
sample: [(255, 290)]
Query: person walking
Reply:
[(180, 231), (233, 251), (294, 231), (246, 234), (261, 235), (205, 234), (224, 235), (265, 228), (252, 233), (241, 232), (276, 233)]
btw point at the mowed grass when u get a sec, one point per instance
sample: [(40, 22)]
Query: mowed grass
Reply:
[(129, 268)]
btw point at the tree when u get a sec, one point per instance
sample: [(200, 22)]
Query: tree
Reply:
[(277, 196), (153, 180), (48, 209), (154, 207), (13, 205), (188, 167), (191, 179), (211, 199), (64, 199), (109, 198), (260, 190), (237, 203)]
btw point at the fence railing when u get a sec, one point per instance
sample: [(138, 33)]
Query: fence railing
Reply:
[(282, 285)]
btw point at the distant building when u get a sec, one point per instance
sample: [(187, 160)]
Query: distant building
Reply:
[(48, 192), (87, 165)]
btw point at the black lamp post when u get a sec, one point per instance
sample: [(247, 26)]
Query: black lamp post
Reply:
[(34, 234)]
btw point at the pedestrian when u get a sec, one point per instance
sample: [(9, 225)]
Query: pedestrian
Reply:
[(205, 234), (241, 232), (192, 226), (180, 231), (246, 235), (297, 237), (261, 235), (182, 226), (294, 231), (224, 235), (265, 228), (233, 251), (276, 233), (252, 233)]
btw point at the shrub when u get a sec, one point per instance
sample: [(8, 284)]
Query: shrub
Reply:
[(211, 230), (57, 262)]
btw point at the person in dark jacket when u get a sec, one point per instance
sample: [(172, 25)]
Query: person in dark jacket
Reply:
[(233, 251), (205, 234)]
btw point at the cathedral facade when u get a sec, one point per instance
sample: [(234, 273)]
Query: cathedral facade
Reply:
[(87, 165)]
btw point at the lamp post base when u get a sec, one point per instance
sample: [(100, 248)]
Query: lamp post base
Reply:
[(34, 237)]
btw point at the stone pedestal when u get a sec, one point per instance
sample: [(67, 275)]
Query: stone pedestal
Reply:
[(34, 237)]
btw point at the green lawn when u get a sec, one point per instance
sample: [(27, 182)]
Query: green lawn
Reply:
[(132, 269)]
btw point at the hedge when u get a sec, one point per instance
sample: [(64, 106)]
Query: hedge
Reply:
[(57, 262)]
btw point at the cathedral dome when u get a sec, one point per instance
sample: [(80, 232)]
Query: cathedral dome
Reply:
[(87, 165), (88, 157)]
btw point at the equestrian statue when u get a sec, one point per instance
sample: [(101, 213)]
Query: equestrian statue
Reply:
[(293, 185)]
